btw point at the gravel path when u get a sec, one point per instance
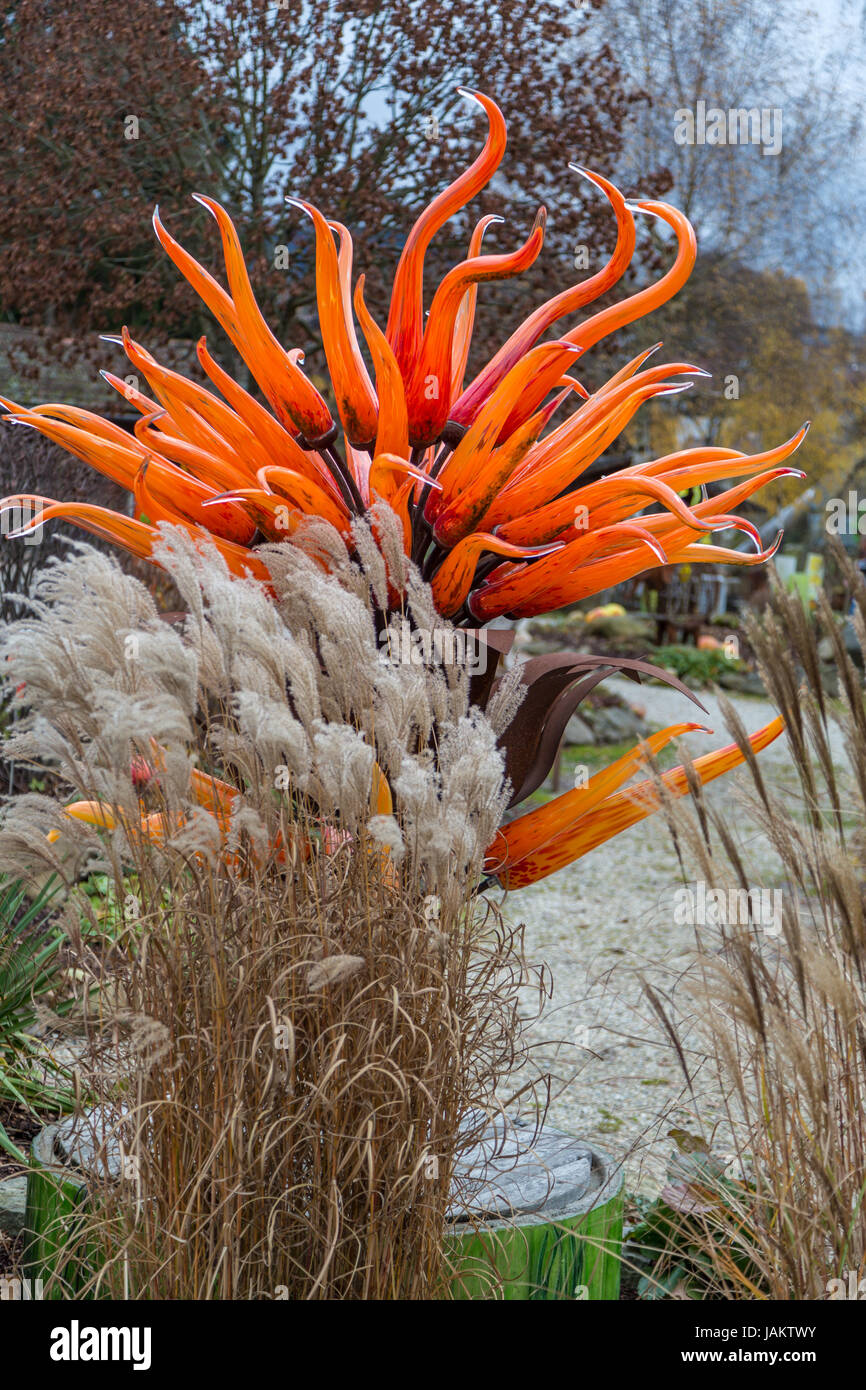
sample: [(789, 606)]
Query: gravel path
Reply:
[(605, 924)]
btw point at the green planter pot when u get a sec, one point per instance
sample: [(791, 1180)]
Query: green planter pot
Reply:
[(54, 1199), (533, 1217), (567, 1247)]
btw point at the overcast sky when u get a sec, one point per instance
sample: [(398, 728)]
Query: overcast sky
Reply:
[(837, 28)]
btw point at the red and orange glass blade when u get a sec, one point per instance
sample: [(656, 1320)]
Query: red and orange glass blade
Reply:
[(623, 809)]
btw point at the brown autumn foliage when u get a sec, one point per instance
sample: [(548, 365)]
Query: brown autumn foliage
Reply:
[(353, 106)]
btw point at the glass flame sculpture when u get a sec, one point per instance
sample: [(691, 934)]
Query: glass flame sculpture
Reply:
[(483, 475)]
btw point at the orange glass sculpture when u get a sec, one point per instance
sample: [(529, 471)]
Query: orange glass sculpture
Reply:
[(484, 475)]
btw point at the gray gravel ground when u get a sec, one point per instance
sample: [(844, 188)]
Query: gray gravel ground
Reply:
[(602, 926)]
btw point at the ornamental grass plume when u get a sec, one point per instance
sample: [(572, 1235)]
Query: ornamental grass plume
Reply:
[(780, 1015), (306, 1010), (483, 479)]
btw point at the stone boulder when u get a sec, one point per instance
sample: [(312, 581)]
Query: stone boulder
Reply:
[(577, 731), (13, 1200), (615, 724)]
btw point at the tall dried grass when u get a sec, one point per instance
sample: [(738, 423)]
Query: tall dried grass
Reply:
[(784, 1018), (307, 1009)]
